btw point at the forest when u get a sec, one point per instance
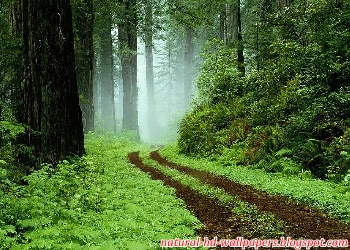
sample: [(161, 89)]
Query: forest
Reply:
[(135, 124)]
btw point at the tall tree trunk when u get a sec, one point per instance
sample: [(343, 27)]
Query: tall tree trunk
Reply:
[(151, 107), (1, 119), (257, 48), (96, 89), (222, 33), (84, 22), (264, 32), (128, 51), (106, 76), (232, 24), (188, 66), (283, 3), (170, 83), (17, 89), (240, 46), (50, 85)]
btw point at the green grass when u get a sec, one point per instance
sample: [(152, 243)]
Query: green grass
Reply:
[(98, 202), (264, 224), (330, 197)]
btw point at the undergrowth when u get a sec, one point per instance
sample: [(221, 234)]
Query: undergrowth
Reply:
[(263, 224), (97, 202), (327, 196), (290, 113)]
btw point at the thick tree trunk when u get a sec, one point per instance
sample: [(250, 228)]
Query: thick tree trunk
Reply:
[(151, 107), (232, 24), (17, 89), (84, 47), (106, 76), (50, 86), (188, 66), (128, 51), (240, 46)]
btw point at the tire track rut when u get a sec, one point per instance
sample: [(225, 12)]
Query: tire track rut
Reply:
[(209, 211), (302, 220)]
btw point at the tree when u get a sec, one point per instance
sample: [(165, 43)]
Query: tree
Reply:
[(283, 3), (106, 72), (16, 93), (240, 46), (51, 97), (151, 105), (84, 48), (228, 23), (188, 65), (127, 34)]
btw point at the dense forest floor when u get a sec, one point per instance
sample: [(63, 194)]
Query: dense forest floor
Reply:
[(114, 199)]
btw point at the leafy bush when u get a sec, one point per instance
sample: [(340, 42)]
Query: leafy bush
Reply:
[(18, 156), (298, 100), (203, 131)]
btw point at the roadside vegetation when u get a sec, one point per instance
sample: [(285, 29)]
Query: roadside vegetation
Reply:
[(254, 223), (328, 196), (290, 112), (93, 202)]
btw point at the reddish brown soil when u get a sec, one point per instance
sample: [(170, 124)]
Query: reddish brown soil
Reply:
[(208, 210), (302, 221)]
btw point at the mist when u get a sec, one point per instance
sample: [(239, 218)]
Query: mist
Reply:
[(169, 93), (169, 90)]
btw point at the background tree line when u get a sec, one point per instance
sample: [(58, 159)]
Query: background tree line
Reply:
[(284, 104)]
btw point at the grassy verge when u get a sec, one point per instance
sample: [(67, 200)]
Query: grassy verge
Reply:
[(97, 202), (264, 224), (330, 197)]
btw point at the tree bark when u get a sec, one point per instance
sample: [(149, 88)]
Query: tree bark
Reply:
[(51, 97), (17, 89), (223, 30), (84, 48), (106, 76), (240, 46), (97, 88), (283, 3), (232, 24), (127, 28), (151, 107), (170, 82), (1, 119), (188, 66)]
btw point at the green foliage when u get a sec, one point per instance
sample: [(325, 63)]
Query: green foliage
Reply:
[(265, 224), (9, 131), (19, 158), (10, 63), (297, 100), (330, 197), (219, 79), (89, 203), (202, 131)]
